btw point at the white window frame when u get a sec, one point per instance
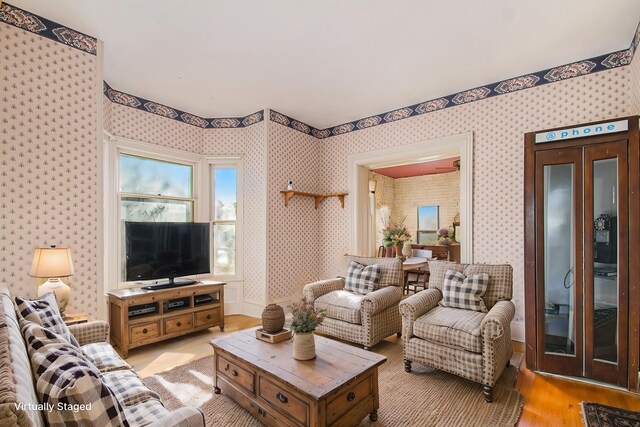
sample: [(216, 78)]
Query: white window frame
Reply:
[(114, 147), (238, 163)]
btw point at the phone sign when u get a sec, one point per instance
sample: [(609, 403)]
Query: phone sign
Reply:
[(582, 132)]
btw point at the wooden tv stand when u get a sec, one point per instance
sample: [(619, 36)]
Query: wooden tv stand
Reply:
[(166, 322)]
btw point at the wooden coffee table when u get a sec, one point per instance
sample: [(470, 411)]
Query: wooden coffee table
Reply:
[(337, 388)]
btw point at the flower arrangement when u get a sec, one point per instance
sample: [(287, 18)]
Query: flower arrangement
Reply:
[(445, 236), (305, 317), (394, 233)]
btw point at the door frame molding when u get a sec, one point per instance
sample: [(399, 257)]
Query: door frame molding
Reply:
[(358, 168)]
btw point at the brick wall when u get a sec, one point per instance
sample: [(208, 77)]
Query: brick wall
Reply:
[(441, 189), (385, 202)]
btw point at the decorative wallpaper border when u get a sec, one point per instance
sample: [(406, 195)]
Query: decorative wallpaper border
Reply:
[(43, 27), (182, 116), (540, 78), (36, 24), (284, 120)]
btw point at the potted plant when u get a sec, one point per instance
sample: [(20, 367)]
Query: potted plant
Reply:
[(396, 234), (305, 320), (445, 237)]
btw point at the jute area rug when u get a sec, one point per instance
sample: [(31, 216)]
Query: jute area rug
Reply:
[(424, 397)]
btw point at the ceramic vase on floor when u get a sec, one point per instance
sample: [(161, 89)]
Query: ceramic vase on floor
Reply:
[(304, 346)]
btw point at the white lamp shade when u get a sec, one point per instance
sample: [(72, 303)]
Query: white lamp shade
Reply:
[(372, 185), (52, 261)]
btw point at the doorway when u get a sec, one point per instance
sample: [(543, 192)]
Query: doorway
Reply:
[(578, 248), (362, 237)]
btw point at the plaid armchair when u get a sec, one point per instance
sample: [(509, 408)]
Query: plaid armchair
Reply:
[(471, 344), (362, 319)]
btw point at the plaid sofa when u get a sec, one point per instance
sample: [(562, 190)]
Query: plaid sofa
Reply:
[(362, 319), (471, 344), (18, 396)]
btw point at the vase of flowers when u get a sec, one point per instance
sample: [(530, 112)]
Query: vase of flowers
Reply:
[(305, 320), (445, 237), (396, 234)]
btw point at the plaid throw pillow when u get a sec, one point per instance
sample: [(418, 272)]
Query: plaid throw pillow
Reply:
[(362, 279), (70, 386), (460, 291), (44, 311)]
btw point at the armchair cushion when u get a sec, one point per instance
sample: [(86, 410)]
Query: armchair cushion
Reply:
[(451, 327), (341, 305), (460, 291), (362, 279), (437, 270), (391, 273)]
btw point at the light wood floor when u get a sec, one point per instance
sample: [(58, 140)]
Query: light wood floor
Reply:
[(549, 401)]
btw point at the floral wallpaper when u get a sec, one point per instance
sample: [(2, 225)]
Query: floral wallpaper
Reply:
[(48, 179)]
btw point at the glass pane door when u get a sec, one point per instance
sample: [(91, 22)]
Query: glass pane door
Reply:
[(606, 251), (559, 236)]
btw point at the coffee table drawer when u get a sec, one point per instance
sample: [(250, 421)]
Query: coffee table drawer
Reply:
[(262, 414), (283, 400), (349, 398), (235, 373)]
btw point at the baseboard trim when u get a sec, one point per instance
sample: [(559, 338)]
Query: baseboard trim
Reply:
[(252, 309), (517, 331)]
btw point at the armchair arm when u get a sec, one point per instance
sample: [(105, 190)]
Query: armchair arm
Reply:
[(381, 299), (317, 289), (90, 332), (496, 340), (498, 320), (415, 306), (181, 417)]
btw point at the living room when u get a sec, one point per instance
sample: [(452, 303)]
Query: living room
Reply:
[(134, 112)]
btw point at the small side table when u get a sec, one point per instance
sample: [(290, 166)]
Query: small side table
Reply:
[(74, 319)]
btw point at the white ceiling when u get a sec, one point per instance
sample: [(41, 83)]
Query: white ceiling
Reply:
[(326, 62)]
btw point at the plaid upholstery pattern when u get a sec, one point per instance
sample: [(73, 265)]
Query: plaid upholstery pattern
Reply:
[(437, 270), (456, 361), (415, 306), (16, 384), (44, 311), (342, 305), (317, 289), (496, 330), (460, 291), (381, 299), (447, 353), (391, 273), (361, 278), (145, 413), (451, 327), (90, 332), (104, 357), (500, 286), (65, 377), (128, 388)]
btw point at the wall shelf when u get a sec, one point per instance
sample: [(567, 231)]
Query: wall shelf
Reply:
[(288, 194)]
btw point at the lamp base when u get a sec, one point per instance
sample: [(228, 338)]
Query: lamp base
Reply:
[(60, 289)]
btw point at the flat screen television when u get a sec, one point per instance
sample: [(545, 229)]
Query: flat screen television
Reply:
[(166, 250)]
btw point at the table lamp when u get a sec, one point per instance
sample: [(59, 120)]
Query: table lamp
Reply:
[(53, 262)]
